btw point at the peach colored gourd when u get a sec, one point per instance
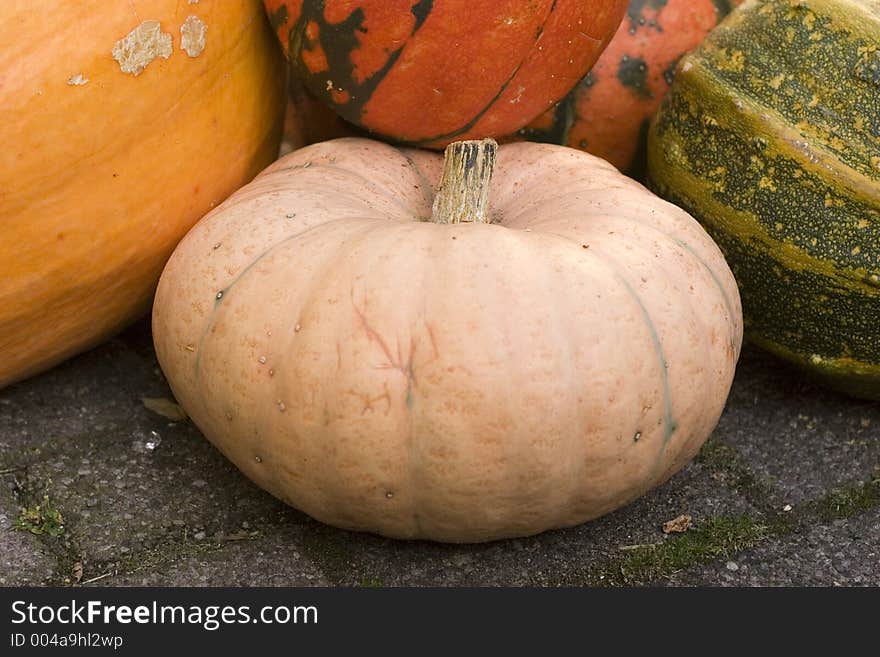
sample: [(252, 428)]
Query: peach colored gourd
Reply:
[(450, 381), (123, 124)]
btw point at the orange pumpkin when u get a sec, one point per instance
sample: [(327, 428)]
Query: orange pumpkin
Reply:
[(608, 111), (307, 120), (428, 72), (490, 361), (123, 124)]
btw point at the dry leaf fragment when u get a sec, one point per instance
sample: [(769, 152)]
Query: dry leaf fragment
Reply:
[(165, 407), (77, 572), (677, 525)]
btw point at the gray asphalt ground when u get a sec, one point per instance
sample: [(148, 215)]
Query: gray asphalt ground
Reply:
[(98, 489)]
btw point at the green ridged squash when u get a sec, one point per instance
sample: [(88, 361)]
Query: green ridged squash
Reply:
[(770, 136)]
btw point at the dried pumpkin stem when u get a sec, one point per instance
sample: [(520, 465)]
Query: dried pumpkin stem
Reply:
[(463, 196)]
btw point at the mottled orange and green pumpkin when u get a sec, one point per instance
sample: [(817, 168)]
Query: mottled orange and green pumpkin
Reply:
[(771, 137), (428, 72), (608, 111)]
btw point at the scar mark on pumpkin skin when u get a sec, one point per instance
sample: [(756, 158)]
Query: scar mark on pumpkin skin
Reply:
[(193, 34), (433, 340), (394, 363), (369, 401), (398, 363), (142, 45)]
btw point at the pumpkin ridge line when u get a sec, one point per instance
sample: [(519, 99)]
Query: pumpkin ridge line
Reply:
[(369, 184), (754, 117), (427, 186), (504, 85), (747, 228), (669, 424), (672, 236), (724, 296), (223, 293), (830, 364)]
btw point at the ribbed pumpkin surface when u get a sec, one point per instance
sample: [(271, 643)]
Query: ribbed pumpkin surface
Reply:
[(427, 72), (450, 381), (771, 137)]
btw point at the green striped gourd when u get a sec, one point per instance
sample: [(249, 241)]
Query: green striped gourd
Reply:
[(771, 138)]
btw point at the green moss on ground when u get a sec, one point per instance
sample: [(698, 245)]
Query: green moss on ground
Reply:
[(724, 462), (41, 518), (846, 503), (716, 538), (39, 515)]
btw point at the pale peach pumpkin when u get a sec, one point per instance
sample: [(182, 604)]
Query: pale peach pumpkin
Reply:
[(459, 381), (123, 123)]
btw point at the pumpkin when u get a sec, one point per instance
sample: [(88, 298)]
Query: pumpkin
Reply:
[(608, 111), (429, 72), (307, 120), (771, 137), (452, 366), (115, 143)]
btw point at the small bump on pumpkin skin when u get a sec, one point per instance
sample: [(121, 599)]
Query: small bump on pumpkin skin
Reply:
[(637, 436), (219, 295), (258, 458), (217, 245), (389, 495), (281, 406), (297, 328), (262, 360)]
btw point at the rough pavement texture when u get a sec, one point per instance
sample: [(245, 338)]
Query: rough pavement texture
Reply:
[(843, 552), (97, 489)]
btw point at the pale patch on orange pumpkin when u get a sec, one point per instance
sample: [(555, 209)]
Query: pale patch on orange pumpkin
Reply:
[(142, 45), (193, 34)]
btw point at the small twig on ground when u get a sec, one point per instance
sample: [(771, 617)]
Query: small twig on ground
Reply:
[(639, 546), (95, 579)]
